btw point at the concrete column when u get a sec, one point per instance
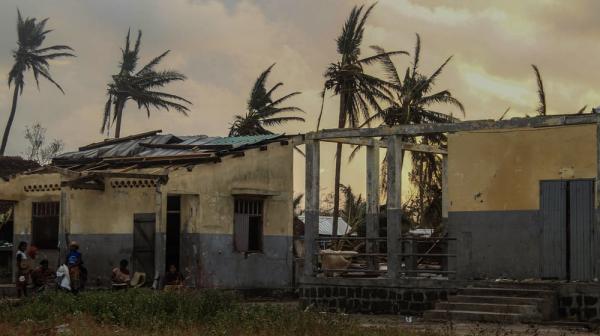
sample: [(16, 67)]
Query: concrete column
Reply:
[(160, 234), (447, 263), (394, 204), (63, 225), (372, 201), (311, 211), (595, 249)]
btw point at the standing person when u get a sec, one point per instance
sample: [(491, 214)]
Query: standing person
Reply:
[(22, 269), (120, 275), (74, 262)]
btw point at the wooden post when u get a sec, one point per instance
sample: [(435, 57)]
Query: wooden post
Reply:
[(372, 201), (394, 205), (311, 211)]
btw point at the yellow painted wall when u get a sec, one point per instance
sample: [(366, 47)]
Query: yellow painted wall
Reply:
[(14, 190), (501, 169), (270, 170), (206, 208)]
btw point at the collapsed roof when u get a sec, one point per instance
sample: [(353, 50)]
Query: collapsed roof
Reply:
[(10, 165), (154, 149)]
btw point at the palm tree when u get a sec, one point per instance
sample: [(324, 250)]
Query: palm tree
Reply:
[(263, 110), (358, 90), (140, 86), (541, 109), (413, 99), (30, 56)]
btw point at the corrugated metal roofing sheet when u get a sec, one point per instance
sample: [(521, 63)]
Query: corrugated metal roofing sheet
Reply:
[(326, 225), (134, 147)]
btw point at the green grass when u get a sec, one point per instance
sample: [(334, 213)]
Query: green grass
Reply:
[(203, 312)]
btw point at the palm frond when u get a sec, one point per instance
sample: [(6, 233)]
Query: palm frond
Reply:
[(541, 109)]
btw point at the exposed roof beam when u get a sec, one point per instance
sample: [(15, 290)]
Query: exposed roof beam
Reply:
[(473, 125), (383, 144), (119, 140)]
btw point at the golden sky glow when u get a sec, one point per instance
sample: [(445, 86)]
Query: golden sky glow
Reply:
[(223, 45)]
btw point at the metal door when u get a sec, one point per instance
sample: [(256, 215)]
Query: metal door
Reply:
[(144, 230), (553, 203), (581, 216)]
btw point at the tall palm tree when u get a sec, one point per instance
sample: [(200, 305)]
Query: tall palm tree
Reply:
[(263, 109), (140, 86), (359, 92), (412, 104), (30, 56)]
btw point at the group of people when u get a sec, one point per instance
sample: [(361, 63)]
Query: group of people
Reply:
[(72, 275)]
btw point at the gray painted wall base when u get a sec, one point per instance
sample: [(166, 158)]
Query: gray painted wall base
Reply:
[(494, 244), (207, 260)]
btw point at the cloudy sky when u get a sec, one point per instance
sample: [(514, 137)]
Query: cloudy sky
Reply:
[(222, 46)]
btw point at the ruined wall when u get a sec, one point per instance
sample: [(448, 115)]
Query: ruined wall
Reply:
[(26, 189), (207, 241), (494, 195), (102, 221)]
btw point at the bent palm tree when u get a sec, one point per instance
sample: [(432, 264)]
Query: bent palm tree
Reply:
[(30, 56), (263, 110), (412, 104), (358, 90), (140, 86)]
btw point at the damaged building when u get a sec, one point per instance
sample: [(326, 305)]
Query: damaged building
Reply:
[(520, 207), (218, 208)]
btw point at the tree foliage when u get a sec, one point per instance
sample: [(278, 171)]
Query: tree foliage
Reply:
[(263, 110), (30, 55), (39, 150), (142, 86)]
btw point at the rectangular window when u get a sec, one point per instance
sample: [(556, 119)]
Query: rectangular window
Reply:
[(248, 224), (44, 224)]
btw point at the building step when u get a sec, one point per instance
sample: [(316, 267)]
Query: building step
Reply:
[(479, 316), (507, 292), (526, 310), (506, 300)]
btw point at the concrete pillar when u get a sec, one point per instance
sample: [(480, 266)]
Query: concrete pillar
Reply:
[(161, 234), (394, 204), (372, 201), (596, 249), (447, 263), (311, 211), (63, 226)]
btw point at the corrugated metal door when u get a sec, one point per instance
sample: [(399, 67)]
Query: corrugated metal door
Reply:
[(553, 202), (144, 229), (581, 215)]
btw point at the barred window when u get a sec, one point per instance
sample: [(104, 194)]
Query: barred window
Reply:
[(248, 224), (44, 224)]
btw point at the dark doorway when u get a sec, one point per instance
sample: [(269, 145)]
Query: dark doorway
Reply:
[(173, 231), (144, 229), (567, 214)]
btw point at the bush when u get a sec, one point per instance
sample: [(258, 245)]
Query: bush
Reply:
[(131, 308)]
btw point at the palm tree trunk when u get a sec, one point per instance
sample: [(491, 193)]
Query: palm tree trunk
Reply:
[(120, 105), (11, 117), (338, 166)]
